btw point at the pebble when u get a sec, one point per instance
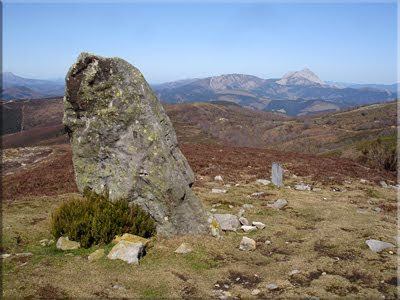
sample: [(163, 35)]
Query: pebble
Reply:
[(213, 210), (230, 206), (255, 292), (5, 255), (257, 194), (218, 178), (247, 206), (259, 225), (218, 191), (291, 273), (24, 254), (237, 184), (268, 242), (271, 286), (323, 273), (391, 252)]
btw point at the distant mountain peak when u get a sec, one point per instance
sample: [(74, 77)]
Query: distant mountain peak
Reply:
[(234, 81), (302, 77)]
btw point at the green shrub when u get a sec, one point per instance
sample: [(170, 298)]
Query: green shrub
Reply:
[(96, 220), (381, 153)]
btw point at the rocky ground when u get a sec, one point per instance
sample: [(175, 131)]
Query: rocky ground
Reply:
[(314, 247)]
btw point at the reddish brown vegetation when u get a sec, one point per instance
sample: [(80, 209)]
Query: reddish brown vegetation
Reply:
[(233, 162), (56, 176), (51, 177)]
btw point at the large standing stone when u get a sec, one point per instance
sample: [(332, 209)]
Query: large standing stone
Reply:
[(124, 143), (277, 174)]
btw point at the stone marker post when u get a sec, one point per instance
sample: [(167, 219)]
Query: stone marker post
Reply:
[(277, 177)]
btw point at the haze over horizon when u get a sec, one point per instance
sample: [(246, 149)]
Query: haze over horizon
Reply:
[(339, 42)]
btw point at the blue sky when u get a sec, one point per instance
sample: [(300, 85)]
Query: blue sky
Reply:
[(353, 42)]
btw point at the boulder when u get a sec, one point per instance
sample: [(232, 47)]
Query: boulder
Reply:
[(227, 221), (96, 255), (63, 243), (123, 143), (377, 246), (247, 244), (129, 252)]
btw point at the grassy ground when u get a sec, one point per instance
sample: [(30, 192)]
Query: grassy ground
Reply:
[(322, 234)]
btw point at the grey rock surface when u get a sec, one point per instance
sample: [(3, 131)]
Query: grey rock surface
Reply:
[(247, 244), (124, 143), (277, 174), (227, 222), (278, 204), (377, 246)]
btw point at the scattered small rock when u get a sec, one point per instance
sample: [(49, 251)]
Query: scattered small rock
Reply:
[(24, 254), (227, 222), (294, 272), (391, 252), (243, 221), (129, 252), (268, 242), (218, 178), (5, 255), (228, 185), (64, 244), (377, 246), (259, 225), (362, 211), (302, 187), (316, 189), (213, 210), (247, 244), (323, 273), (257, 194), (278, 204), (255, 292), (96, 255), (183, 249), (247, 228), (271, 286), (46, 242), (363, 181), (263, 181), (118, 287), (230, 206), (383, 184), (218, 191), (247, 206), (237, 184), (377, 209)]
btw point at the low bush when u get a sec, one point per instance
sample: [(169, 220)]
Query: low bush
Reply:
[(381, 153), (96, 220)]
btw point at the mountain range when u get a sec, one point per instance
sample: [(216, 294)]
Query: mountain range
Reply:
[(296, 93)]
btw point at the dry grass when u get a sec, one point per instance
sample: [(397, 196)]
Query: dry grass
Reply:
[(311, 234)]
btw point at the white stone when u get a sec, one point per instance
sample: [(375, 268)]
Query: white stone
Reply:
[(183, 249), (127, 251), (247, 228), (243, 221), (363, 181), (247, 206), (247, 244), (218, 178), (383, 184), (5, 255), (377, 246), (24, 254), (271, 286), (255, 292), (293, 272), (218, 191), (302, 187), (230, 206), (259, 225), (213, 210), (257, 194), (263, 181), (268, 242), (64, 244)]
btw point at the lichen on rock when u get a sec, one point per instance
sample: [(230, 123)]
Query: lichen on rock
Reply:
[(124, 143)]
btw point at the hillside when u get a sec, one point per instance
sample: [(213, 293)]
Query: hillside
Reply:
[(331, 133)]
